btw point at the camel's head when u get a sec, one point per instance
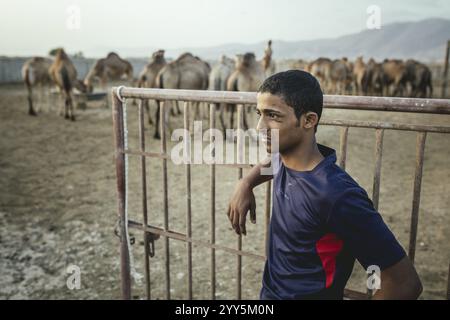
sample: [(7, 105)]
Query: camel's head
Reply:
[(157, 55), (80, 86), (249, 58), (57, 52)]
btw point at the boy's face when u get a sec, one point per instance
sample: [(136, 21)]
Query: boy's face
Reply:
[(275, 114)]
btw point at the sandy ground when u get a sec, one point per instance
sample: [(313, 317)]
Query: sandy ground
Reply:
[(58, 205)]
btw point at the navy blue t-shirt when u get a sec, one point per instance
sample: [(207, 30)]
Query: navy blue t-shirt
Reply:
[(322, 220)]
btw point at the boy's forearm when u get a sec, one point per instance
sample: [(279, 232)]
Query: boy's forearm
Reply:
[(254, 176)]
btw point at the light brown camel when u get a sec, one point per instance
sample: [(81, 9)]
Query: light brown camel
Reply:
[(110, 68), (248, 76), (64, 75), (35, 74), (359, 69), (147, 77), (186, 72), (320, 68)]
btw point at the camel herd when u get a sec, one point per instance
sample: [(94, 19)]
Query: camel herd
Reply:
[(391, 77), (243, 73)]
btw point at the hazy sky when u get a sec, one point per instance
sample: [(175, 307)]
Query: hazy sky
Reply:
[(34, 26)]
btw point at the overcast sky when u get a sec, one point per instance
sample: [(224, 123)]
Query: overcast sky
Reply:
[(30, 27)]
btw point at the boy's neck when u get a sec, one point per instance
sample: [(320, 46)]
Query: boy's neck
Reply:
[(305, 157)]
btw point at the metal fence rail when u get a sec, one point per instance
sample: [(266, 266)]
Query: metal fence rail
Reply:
[(407, 105)]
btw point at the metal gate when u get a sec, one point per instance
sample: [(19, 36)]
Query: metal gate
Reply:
[(409, 105)]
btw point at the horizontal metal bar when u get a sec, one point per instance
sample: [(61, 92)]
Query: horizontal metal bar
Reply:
[(385, 125), (414, 105), (355, 295), (183, 237), (166, 156)]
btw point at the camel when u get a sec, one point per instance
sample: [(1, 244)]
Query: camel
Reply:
[(419, 76), (340, 76), (359, 70), (64, 75), (267, 62), (186, 72), (35, 74), (394, 74), (248, 76), (112, 67), (218, 81), (147, 77), (320, 68), (373, 79)]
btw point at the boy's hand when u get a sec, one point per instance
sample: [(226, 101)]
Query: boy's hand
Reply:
[(242, 201)]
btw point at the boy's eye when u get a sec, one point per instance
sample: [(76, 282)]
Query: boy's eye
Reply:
[(272, 115)]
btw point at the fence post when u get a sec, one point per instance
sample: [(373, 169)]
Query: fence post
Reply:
[(444, 76), (120, 173)]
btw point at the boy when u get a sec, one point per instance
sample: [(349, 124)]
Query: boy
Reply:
[(322, 220)]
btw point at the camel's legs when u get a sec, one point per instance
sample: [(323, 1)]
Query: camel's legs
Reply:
[(157, 112), (245, 119), (72, 108), (146, 103), (178, 107), (232, 109), (157, 116), (31, 111), (172, 108), (222, 121)]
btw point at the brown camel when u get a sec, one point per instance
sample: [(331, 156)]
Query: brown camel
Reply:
[(35, 73), (147, 77), (64, 75), (112, 67), (419, 77), (372, 82), (248, 76), (394, 75), (340, 76), (186, 72)]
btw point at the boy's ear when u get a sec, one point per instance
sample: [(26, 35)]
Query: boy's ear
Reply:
[(310, 119)]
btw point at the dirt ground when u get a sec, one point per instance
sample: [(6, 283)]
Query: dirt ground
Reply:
[(58, 205)]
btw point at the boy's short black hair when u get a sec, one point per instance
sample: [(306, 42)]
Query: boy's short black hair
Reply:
[(299, 89)]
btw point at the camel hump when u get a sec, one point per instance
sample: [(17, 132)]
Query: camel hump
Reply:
[(185, 56), (112, 55)]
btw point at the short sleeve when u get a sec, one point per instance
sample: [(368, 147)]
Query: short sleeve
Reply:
[(354, 219)]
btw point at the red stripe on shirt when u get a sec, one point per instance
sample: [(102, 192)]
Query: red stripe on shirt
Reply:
[(328, 247)]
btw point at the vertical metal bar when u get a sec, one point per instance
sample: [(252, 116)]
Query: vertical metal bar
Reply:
[(212, 126), (187, 146), (240, 156), (343, 147), (144, 199), (444, 76), (120, 174), (267, 216), (379, 133), (448, 283), (420, 149), (162, 121)]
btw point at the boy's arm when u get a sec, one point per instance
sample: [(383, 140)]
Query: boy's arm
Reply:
[(399, 282), (243, 199)]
